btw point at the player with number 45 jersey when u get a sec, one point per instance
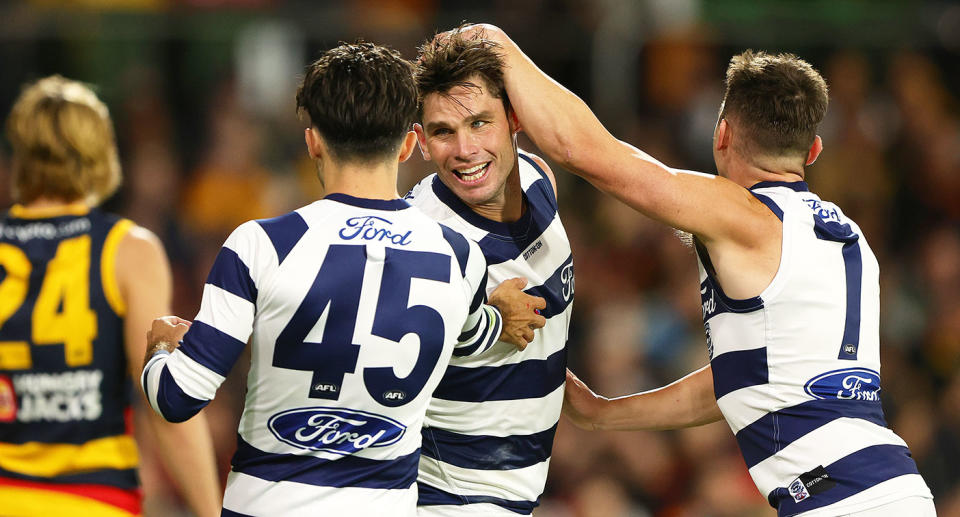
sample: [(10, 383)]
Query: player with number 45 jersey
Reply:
[(352, 305)]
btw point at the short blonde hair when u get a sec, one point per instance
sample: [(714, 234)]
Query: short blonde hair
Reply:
[(63, 143)]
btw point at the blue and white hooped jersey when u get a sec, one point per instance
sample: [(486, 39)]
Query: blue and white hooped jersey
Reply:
[(353, 308), (490, 426), (796, 370)]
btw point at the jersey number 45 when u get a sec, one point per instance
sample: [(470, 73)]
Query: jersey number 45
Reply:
[(338, 286)]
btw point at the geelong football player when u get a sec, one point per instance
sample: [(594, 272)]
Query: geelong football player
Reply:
[(789, 286), (352, 305), (476, 461)]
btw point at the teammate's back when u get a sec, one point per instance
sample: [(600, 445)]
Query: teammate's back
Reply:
[(353, 307), (804, 399)]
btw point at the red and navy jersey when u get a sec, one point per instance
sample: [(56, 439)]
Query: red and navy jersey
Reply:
[(65, 389)]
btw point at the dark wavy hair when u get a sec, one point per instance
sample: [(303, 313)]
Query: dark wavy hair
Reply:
[(457, 60), (362, 99)]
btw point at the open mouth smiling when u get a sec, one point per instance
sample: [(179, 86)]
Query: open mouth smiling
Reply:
[(472, 174)]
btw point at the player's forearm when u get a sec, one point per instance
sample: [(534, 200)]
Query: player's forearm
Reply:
[(687, 402), (186, 450), (563, 127), (481, 331), (187, 389)]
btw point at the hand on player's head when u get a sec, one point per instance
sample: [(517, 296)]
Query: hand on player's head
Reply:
[(520, 311), (483, 31)]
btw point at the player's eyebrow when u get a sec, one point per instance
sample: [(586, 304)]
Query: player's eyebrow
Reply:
[(430, 127), (483, 115)]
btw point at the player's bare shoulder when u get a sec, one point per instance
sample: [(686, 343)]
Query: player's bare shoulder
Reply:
[(139, 244), (140, 257)]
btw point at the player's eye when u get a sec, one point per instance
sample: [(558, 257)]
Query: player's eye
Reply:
[(478, 123), (441, 131)]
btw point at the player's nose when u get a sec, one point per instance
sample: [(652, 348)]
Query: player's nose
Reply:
[(466, 145)]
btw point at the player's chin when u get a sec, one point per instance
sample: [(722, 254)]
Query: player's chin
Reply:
[(475, 196)]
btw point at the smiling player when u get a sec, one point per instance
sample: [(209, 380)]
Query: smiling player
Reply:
[(490, 426)]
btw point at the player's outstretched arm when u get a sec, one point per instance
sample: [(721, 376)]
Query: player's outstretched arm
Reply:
[(687, 402), (144, 280), (519, 310), (567, 131)]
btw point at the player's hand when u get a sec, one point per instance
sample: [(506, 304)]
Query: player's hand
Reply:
[(580, 404), (165, 334), (520, 311), (484, 31)]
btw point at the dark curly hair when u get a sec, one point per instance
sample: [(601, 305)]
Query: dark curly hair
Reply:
[(362, 99), (458, 60)]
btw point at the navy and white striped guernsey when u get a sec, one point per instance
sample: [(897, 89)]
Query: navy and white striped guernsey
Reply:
[(490, 426), (796, 370), (353, 308)]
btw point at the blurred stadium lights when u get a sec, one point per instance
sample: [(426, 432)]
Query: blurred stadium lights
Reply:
[(879, 23)]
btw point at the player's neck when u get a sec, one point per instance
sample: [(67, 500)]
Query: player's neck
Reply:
[(508, 207), (375, 180), (42, 203), (749, 173)]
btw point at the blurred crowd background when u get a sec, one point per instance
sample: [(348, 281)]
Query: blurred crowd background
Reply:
[(201, 92)]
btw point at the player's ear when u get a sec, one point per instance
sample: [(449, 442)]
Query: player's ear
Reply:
[(406, 148), (422, 141), (315, 145), (815, 150), (514, 121), (721, 137)]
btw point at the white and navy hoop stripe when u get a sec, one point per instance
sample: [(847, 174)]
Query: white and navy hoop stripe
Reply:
[(472, 454), (397, 295), (796, 369)]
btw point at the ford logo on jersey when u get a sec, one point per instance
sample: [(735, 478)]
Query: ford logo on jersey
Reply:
[(336, 430), (846, 384), (372, 228)]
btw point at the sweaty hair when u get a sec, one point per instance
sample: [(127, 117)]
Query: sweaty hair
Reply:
[(361, 98), (63, 143), (777, 100), (456, 61)]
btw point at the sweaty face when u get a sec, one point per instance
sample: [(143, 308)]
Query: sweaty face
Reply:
[(470, 138)]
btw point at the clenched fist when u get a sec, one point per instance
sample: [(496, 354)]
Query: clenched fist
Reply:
[(165, 334)]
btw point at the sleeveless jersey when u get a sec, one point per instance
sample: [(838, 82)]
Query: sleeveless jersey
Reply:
[(65, 388), (353, 308), (490, 426), (796, 370)]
